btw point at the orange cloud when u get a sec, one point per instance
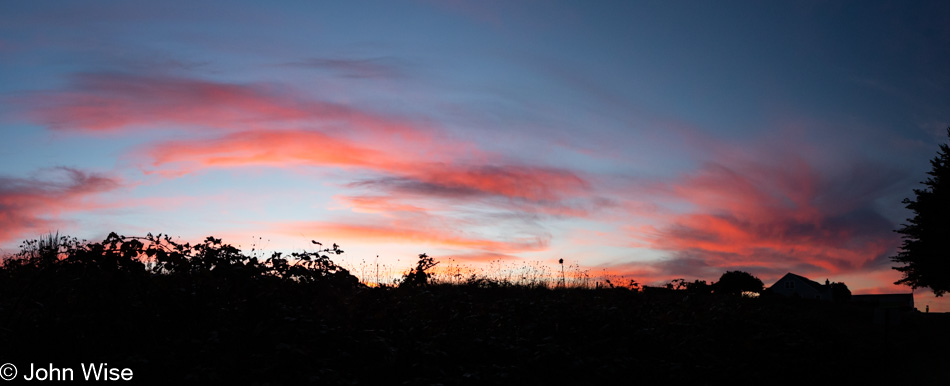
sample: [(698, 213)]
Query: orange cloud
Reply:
[(438, 236), (280, 148), (377, 204), (642, 274)]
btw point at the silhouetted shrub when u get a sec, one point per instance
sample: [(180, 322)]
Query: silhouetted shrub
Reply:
[(158, 255), (737, 282), (419, 276), (840, 292)]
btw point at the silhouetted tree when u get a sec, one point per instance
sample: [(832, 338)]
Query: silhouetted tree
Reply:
[(840, 292), (925, 253), (419, 276), (698, 287), (737, 282)]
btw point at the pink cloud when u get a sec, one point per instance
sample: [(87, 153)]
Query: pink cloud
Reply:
[(102, 102), (268, 125), (404, 171), (762, 216), (530, 183), (29, 206), (110, 102), (409, 166)]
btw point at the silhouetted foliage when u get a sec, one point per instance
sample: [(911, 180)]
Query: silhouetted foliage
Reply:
[(925, 253), (208, 314), (633, 285), (693, 287), (840, 292), (419, 276), (737, 282), (698, 287), (158, 255), (630, 285), (676, 284)]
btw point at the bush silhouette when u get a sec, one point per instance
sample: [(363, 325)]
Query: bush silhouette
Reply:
[(737, 282), (159, 256), (419, 276), (840, 292)]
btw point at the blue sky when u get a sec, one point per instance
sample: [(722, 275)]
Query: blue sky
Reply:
[(653, 140)]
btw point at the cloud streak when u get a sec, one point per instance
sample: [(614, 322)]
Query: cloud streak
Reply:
[(414, 235), (35, 205), (268, 125), (112, 101), (458, 181), (277, 148)]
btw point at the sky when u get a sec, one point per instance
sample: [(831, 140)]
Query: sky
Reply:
[(649, 139)]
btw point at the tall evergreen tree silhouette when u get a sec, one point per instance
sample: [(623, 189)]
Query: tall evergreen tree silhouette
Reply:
[(925, 253)]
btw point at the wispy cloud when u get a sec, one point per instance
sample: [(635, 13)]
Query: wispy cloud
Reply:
[(515, 181), (385, 205), (114, 101), (278, 148), (35, 205), (401, 173), (269, 125), (777, 213), (258, 125)]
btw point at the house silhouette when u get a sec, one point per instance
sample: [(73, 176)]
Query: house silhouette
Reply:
[(792, 285)]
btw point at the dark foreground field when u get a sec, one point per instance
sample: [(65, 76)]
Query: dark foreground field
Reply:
[(228, 326)]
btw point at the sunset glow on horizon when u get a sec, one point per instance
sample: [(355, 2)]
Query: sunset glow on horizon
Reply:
[(648, 140)]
